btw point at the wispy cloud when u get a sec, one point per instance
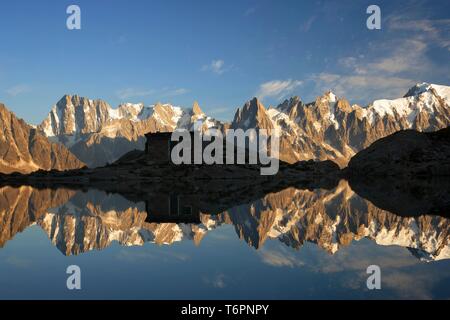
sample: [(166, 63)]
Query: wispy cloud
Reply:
[(389, 67), (128, 93), (137, 256), (306, 26), (388, 72), (133, 93), (121, 39), (216, 66), (277, 88), (217, 281), (176, 92), (18, 262), (362, 87), (18, 90), (280, 258), (406, 56), (249, 11), (220, 110), (434, 31)]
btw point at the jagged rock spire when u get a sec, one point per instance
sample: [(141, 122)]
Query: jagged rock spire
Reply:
[(196, 109)]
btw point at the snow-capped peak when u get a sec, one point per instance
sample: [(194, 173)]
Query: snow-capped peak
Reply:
[(420, 88), (330, 96), (126, 111), (417, 89), (421, 97)]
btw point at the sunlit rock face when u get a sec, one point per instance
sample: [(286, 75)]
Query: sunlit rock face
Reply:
[(99, 134), (24, 149), (330, 128)]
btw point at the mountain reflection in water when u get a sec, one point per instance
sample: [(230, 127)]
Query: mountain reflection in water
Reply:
[(79, 221)]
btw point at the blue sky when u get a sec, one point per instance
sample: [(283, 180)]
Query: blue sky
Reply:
[(220, 53)]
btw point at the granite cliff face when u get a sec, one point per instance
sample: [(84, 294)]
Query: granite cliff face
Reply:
[(330, 128), (23, 149), (252, 115), (99, 134)]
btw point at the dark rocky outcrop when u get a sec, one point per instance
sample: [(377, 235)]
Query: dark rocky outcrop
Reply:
[(405, 154)]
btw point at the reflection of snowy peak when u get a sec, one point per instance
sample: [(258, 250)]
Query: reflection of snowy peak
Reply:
[(333, 219), (93, 220), (78, 222)]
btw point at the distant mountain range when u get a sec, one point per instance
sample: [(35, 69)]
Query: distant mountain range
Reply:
[(330, 128), (98, 134)]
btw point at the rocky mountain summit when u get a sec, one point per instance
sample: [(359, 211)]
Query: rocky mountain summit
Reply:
[(24, 149), (99, 134), (330, 128)]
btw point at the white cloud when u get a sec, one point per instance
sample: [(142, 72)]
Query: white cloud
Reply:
[(128, 93), (306, 26), (431, 31), (221, 110), (133, 93), (388, 71), (121, 39), (403, 56), (217, 281), (407, 56), (216, 66), (362, 87), (18, 89), (388, 68), (249, 11), (176, 92), (18, 262), (279, 258), (277, 88)]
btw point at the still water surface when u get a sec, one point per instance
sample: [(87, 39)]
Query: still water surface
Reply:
[(291, 244)]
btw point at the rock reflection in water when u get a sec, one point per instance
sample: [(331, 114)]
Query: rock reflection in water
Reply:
[(81, 221)]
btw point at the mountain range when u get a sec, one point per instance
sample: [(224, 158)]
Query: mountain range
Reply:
[(98, 134), (330, 128)]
